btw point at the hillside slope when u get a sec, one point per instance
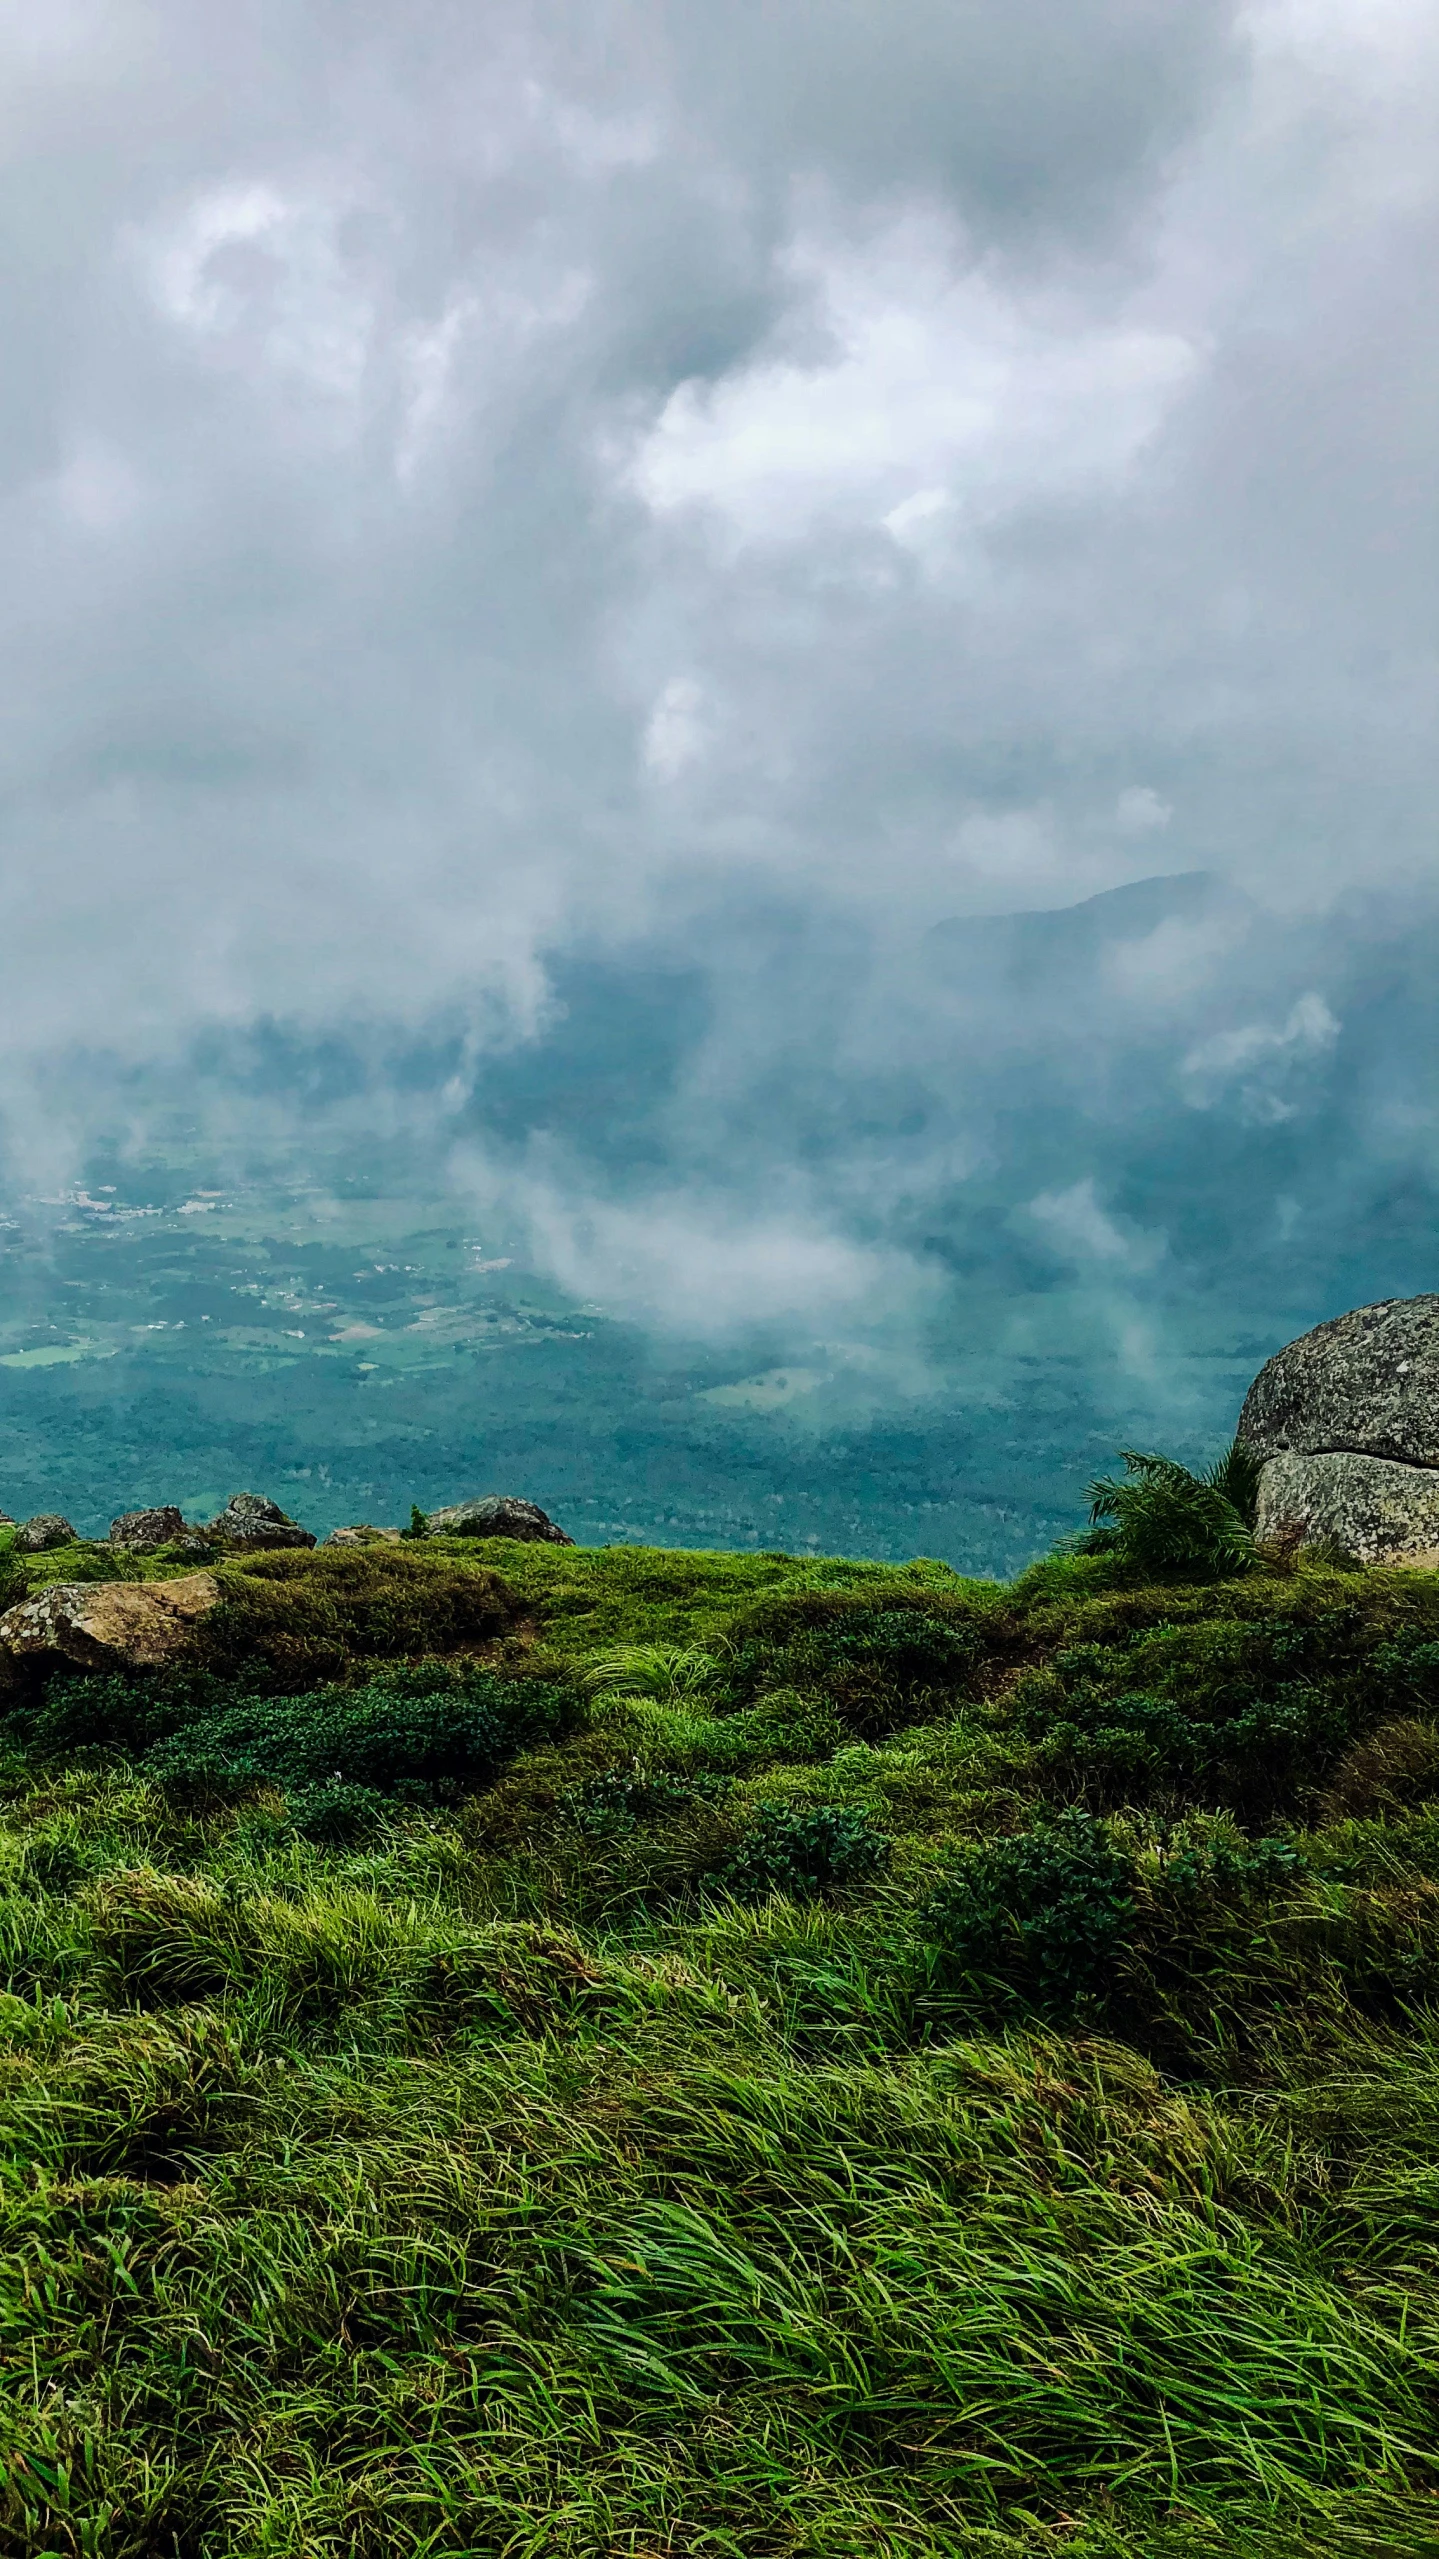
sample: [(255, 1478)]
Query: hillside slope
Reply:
[(517, 2049)]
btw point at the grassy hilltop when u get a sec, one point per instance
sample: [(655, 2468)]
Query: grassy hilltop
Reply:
[(516, 2049)]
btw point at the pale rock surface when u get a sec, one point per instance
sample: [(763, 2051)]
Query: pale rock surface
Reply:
[(109, 1625), (1371, 1508)]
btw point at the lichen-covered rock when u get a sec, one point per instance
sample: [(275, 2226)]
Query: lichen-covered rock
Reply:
[(248, 1520), (36, 1536), (110, 1625), (1366, 1383), (362, 1534), (1369, 1507), (496, 1515), (143, 1530)]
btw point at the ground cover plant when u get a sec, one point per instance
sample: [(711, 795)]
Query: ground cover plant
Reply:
[(525, 2050)]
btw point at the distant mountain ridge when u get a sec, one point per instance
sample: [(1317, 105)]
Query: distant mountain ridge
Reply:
[(1027, 945)]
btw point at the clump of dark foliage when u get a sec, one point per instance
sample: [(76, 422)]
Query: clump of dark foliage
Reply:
[(1161, 1521), (621, 1801), (1244, 1712), (1044, 1917), (13, 1584), (805, 1849), (879, 1665), (427, 1734)]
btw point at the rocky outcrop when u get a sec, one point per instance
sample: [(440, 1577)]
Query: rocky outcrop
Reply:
[(1346, 1420), (362, 1534), (249, 1522), (1366, 1383), (109, 1625), (35, 1536), (1367, 1507), (142, 1531), (496, 1515)]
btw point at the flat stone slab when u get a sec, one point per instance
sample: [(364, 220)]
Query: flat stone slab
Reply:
[(110, 1625)]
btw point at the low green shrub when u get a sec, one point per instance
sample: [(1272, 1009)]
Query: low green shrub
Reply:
[(803, 1850), (620, 1801), (307, 1619), (1043, 1919), (120, 1711), (1253, 1715), (881, 1659), (1216, 1868), (421, 1735)]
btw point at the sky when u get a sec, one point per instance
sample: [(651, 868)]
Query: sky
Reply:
[(576, 582)]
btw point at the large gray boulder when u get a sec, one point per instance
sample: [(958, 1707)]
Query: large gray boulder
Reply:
[(249, 1521), (1346, 1420), (1366, 1382), (497, 1515)]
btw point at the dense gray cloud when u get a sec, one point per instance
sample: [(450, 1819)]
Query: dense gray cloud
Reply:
[(706, 496)]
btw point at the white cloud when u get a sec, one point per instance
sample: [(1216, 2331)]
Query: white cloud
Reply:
[(426, 363), (1255, 1061), (697, 1265), (257, 267), (675, 731), (1078, 1226), (940, 387), (1141, 811), (455, 372), (927, 527), (1164, 973)]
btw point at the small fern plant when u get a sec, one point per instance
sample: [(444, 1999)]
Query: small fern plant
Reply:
[(1161, 1521)]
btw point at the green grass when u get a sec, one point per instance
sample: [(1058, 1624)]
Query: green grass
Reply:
[(858, 2062)]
